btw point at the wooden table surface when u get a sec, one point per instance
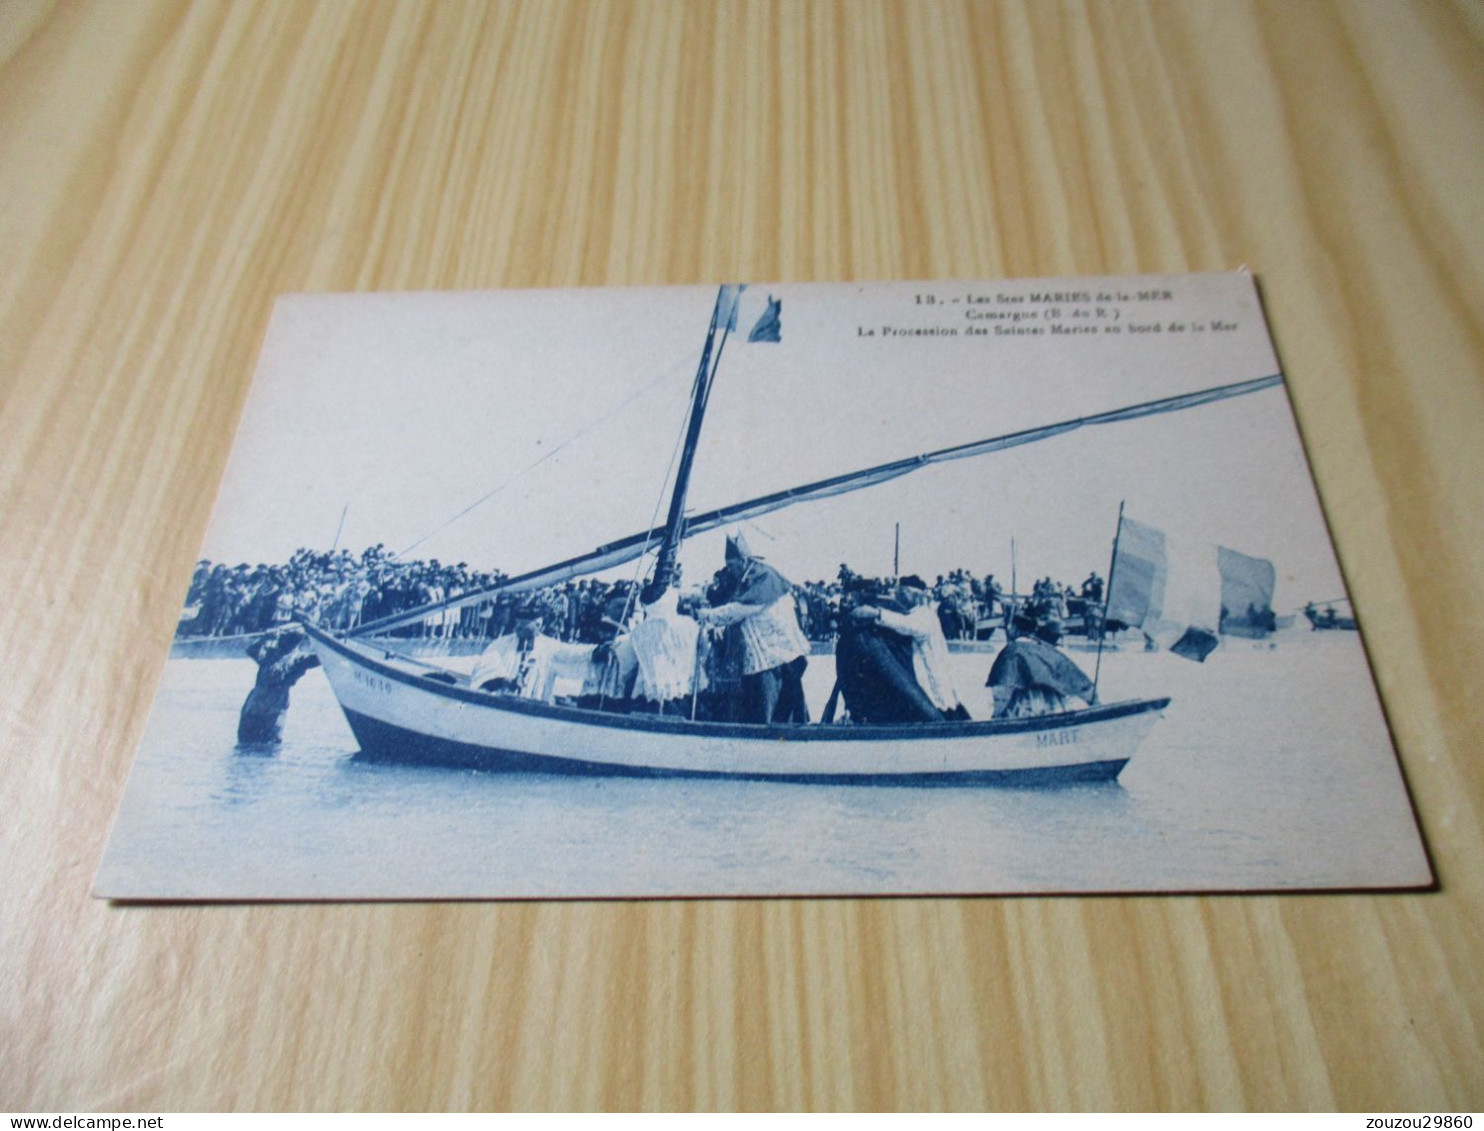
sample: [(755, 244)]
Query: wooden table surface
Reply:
[(167, 169)]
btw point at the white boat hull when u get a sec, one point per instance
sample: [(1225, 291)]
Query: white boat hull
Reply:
[(400, 715)]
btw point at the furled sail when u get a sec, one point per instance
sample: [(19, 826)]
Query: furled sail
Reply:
[(635, 545)]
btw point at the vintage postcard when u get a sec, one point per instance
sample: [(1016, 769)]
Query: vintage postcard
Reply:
[(950, 587)]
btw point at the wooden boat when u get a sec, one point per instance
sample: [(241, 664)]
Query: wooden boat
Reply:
[(409, 711), (1327, 618)]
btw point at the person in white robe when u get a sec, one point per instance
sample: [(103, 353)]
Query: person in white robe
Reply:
[(534, 666), (666, 647), (760, 615)]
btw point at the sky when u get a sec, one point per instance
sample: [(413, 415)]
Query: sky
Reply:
[(558, 414)]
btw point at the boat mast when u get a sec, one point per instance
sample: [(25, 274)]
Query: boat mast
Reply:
[(1097, 668), (722, 317), (1010, 609)]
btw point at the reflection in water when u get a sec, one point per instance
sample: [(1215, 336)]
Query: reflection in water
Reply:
[(256, 749), (243, 775)]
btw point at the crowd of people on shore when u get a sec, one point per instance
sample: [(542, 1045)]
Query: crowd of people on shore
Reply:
[(342, 591)]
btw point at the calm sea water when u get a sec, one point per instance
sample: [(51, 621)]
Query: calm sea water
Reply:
[(1271, 769)]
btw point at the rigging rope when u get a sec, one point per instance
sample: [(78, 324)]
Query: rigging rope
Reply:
[(709, 377), (654, 516), (669, 372)]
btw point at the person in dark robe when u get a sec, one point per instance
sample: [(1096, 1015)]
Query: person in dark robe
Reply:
[(721, 701), (910, 614), (1031, 676), (282, 658), (873, 666)]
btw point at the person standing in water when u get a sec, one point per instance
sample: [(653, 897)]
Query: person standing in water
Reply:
[(282, 657)]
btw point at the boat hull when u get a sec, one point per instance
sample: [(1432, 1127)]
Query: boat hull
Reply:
[(399, 715), (1333, 624)]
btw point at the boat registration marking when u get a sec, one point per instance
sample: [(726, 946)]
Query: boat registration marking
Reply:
[(1067, 737), (374, 682)]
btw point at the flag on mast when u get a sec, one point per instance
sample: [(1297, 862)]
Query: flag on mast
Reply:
[(727, 300), (735, 306), (769, 326)]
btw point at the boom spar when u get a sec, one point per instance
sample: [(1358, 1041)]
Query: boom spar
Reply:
[(635, 545)]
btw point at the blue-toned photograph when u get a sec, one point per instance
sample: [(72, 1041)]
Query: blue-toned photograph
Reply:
[(774, 589)]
